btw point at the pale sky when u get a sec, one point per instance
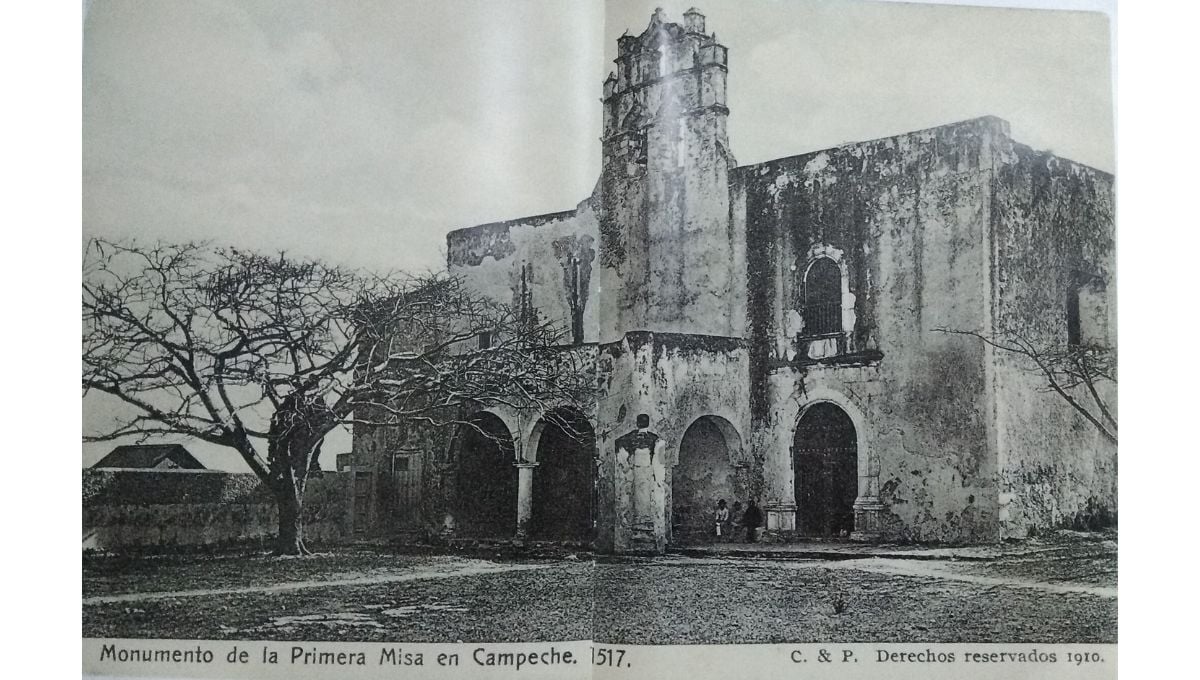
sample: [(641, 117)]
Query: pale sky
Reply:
[(805, 76), (361, 132)]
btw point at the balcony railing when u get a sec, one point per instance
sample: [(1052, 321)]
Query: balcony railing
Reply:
[(821, 319)]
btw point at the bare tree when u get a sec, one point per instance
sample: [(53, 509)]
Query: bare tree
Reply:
[(1066, 369), (268, 355)]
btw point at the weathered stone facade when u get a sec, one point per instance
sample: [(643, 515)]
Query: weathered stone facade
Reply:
[(780, 324)]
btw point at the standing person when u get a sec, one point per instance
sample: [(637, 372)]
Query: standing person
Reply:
[(735, 520), (752, 519), (722, 517)]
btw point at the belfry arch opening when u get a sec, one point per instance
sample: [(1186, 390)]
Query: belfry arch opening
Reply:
[(825, 460), (704, 474), (487, 479), (564, 482)]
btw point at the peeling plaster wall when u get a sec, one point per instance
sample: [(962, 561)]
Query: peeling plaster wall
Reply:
[(695, 256), (675, 379), (909, 216), (1051, 219), (492, 258), (617, 404), (671, 258), (623, 272), (389, 509)]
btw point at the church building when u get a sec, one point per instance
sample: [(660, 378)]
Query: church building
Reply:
[(807, 332)]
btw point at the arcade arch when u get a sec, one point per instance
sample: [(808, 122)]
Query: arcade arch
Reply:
[(564, 482), (705, 472), (487, 479)]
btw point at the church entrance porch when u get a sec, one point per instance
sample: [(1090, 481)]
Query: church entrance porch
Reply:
[(564, 479), (704, 474), (825, 458), (487, 479)]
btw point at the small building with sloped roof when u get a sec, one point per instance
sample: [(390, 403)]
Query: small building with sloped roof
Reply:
[(151, 456)]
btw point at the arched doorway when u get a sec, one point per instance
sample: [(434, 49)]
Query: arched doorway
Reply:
[(487, 479), (825, 457), (564, 480), (703, 475)]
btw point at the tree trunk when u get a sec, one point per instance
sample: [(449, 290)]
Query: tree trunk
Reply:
[(290, 539), (297, 430)]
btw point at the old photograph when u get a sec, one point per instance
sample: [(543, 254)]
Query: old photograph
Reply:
[(631, 322)]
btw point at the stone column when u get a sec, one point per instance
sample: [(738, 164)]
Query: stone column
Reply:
[(645, 484), (868, 510), (524, 497), (642, 518)]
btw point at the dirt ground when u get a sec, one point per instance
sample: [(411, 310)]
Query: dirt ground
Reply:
[(1062, 590)]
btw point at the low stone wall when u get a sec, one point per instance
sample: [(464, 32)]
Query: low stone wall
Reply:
[(164, 511)]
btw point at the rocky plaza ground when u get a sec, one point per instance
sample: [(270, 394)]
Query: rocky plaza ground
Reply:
[(1060, 588)]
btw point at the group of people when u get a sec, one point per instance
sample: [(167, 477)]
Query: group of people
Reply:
[(731, 522)]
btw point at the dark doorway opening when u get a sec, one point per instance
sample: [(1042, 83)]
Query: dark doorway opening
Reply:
[(487, 479), (825, 457), (564, 480), (702, 476)]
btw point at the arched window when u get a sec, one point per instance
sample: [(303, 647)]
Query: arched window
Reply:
[(822, 308)]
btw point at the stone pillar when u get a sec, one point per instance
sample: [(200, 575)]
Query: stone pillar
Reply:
[(868, 513), (641, 512), (781, 516), (645, 486), (524, 497)]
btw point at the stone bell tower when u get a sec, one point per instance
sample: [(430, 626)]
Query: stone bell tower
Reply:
[(665, 228), (672, 270)]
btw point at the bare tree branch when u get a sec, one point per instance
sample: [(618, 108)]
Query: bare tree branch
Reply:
[(1064, 369), (267, 355)]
